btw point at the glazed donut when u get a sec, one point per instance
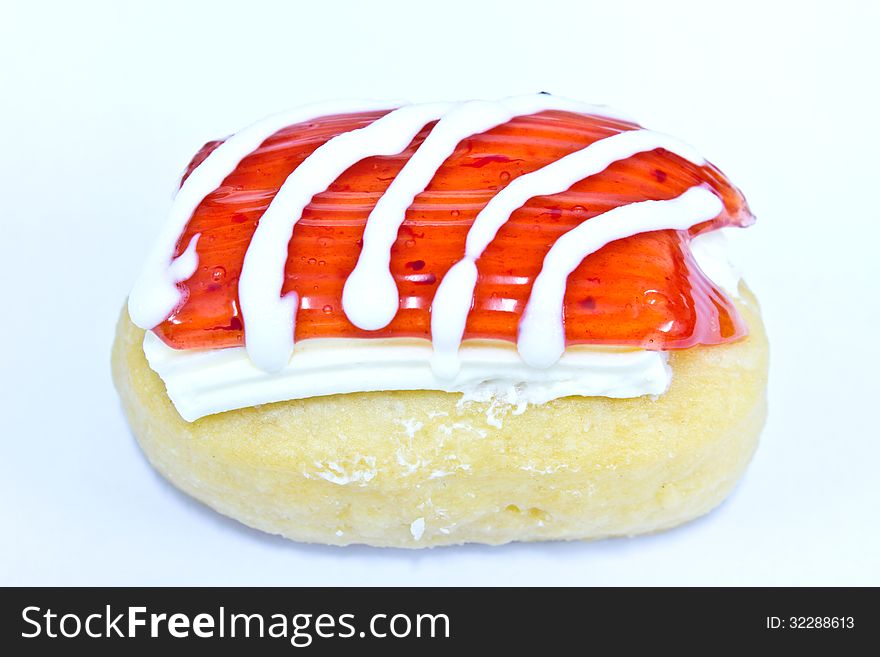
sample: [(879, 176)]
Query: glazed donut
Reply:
[(444, 323)]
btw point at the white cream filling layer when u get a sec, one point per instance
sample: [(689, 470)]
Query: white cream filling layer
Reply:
[(203, 382)]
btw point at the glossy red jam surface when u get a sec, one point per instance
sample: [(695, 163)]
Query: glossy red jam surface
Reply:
[(642, 291)]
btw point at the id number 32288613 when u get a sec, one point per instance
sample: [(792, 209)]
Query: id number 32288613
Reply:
[(810, 623)]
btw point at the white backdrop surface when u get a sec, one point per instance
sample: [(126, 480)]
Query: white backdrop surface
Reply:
[(102, 104)]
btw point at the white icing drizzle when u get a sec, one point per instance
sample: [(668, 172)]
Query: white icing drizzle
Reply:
[(541, 339), (454, 296), (370, 297), (269, 318), (155, 294)]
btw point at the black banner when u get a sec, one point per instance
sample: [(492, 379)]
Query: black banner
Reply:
[(394, 620)]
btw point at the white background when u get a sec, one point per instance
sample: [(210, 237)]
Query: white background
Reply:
[(103, 104)]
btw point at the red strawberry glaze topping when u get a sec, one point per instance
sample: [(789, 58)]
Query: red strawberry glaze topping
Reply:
[(644, 291)]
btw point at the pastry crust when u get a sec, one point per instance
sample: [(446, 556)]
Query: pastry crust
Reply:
[(419, 469)]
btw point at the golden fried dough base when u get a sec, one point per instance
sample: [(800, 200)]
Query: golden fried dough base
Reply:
[(418, 468)]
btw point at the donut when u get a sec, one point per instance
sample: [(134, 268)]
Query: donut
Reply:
[(443, 323)]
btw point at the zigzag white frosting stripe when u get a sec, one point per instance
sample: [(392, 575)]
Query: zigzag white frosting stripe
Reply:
[(454, 296), (155, 294), (541, 340), (269, 318), (370, 297)]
